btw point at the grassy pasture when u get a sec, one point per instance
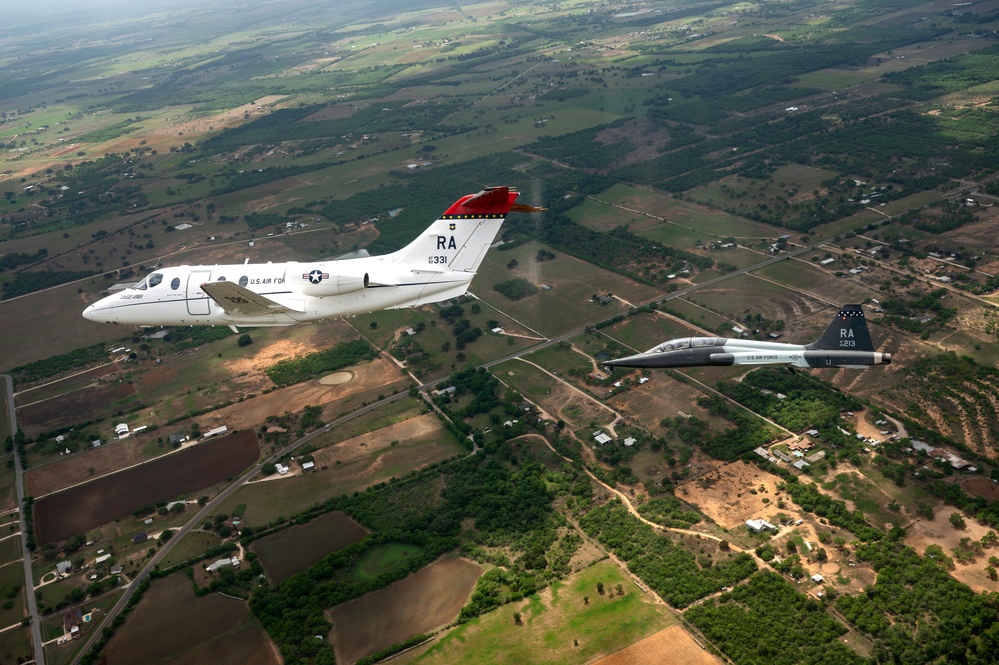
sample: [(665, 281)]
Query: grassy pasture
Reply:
[(190, 546), (296, 548), (803, 275), (560, 400), (705, 320), (644, 331), (552, 620), (10, 575), (10, 549), (15, 646), (383, 559), (568, 304)]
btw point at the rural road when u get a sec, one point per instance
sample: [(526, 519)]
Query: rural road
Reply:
[(29, 581)]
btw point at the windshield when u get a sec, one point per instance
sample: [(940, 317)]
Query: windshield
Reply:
[(685, 343), (148, 282)]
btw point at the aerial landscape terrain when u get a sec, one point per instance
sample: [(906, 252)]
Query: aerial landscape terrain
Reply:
[(467, 481)]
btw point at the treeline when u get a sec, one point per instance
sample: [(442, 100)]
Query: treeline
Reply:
[(16, 259), (64, 362), (26, 282), (673, 571), (295, 370), (768, 620)]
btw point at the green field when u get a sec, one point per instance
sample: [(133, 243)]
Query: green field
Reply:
[(552, 621), (382, 560)]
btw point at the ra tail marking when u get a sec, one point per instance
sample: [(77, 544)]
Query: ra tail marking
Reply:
[(459, 239), (847, 332)]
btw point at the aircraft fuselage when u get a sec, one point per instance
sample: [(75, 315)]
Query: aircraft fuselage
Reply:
[(707, 351), (307, 292)]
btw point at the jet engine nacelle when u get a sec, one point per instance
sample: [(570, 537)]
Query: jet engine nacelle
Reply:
[(721, 359), (319, 283)]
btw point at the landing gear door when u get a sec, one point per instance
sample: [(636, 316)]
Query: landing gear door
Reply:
[(198, 302)]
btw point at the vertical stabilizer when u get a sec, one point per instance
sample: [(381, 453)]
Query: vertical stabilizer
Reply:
[(459, 239), (847, 332)]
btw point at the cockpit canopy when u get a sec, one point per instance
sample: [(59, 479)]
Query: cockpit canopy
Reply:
[(682, 343), (149, 282)]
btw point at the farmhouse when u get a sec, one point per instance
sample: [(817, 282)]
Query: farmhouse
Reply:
[(177, 438), (818, 579), (64, 567), (825, 262), (71, 621), (121, 430), (757, 526), (281, 469), (221, 563), (101, 559), (630, 441), (308, 466), (140, 538)]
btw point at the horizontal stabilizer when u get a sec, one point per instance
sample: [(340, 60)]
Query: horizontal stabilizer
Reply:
[(239, 301)]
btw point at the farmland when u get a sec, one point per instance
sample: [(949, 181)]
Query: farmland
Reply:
[(211, 627), (417, 604), (295, 549), (85, 507)]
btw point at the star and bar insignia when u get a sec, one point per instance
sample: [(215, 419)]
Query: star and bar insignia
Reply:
[(316, 276)]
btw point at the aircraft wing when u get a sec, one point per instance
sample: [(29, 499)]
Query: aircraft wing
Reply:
[(240, 301)]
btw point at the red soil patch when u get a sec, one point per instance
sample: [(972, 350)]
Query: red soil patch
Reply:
[(84, 507), (982, 487), (294, 549), (211, 629), (670, 645), (419, 603)]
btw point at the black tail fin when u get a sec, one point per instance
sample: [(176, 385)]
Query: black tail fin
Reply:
[(847, 332)]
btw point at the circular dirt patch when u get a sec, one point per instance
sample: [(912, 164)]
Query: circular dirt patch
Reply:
[(830, 568), (336, 378)]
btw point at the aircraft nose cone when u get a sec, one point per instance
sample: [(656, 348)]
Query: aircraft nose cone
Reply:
[(89, 313)]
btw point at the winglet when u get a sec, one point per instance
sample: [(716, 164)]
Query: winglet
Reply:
[(490, 201)]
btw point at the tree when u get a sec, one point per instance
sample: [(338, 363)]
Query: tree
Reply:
[(517, 618), (512, 264), (600, 588), (957, 520), (244, 340)]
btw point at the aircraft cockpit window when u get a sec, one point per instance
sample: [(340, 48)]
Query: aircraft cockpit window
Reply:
[(140, 286), (672, 345), (221, 278), (175, 283), (244, 280), (155, 279), (702, 341)]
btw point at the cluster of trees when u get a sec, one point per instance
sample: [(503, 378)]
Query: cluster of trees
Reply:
[(674, 571), (917, 612), (809, 402), (767, 620), (582, 149), (748, 433), (907, 313), (287, 372), (515, 288), (669, 511)]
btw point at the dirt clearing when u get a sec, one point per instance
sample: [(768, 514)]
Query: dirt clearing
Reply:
[(670, 645)]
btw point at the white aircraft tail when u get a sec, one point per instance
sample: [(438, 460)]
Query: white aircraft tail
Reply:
[(459, 239)]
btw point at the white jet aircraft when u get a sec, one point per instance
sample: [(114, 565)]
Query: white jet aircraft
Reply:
[(437, 266)]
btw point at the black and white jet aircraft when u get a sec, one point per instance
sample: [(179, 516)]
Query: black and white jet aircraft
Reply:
[(438, 265), (845, 343)]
